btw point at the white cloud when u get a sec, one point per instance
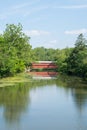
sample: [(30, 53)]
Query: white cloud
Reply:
[(20, 6), (23, 5), (28, 8), (34, 10), (36, 33), (71, 7), (76, 31), (20, 9)]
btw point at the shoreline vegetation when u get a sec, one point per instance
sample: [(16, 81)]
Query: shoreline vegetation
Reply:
[(18, 78), (27, 78)]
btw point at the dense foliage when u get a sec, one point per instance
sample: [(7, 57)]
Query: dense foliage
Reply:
[(15, 50), (77, 60), (50, 54), (16, 54)]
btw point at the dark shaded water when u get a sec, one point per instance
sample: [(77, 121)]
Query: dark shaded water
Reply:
[(55, 104)]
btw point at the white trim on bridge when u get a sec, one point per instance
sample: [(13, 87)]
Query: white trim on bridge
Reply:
[(46, 61)]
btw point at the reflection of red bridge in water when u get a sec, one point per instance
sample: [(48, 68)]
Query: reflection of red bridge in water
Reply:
[(48, 69), (44, 74)]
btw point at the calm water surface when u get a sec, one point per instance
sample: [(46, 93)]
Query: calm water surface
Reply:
[(54, 104)]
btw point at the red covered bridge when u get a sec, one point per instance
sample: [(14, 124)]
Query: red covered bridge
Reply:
[(49, 65), (44, 65)]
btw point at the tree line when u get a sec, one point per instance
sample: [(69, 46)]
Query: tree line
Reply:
[(16, 54), (71, 61)]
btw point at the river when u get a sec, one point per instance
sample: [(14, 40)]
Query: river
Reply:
[(50, 104)]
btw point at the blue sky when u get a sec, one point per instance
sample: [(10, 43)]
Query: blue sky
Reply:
[(49, 23)]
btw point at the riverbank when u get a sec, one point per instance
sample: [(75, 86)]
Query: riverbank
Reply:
[(26, 77), (9, 81)]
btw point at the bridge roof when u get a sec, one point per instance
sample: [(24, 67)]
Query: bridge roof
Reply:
[(46, 61)]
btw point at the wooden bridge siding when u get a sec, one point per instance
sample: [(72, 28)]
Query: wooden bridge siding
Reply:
[(43, 65), (39, 67)]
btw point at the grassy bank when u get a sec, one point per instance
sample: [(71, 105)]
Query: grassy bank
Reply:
[(8, 81)]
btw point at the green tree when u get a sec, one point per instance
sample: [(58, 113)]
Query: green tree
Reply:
[(75, 61), (15, 50), (61, 56)]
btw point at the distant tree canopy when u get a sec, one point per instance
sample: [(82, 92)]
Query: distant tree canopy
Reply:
[(15, 50), (44, 54)]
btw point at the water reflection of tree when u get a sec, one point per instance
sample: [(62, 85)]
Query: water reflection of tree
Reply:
[(74, 85), (80, 98), (14, 101), (77, 87), (71, 84)]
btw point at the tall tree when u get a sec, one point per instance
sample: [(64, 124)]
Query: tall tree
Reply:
[(17, 51), (75, 60)]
